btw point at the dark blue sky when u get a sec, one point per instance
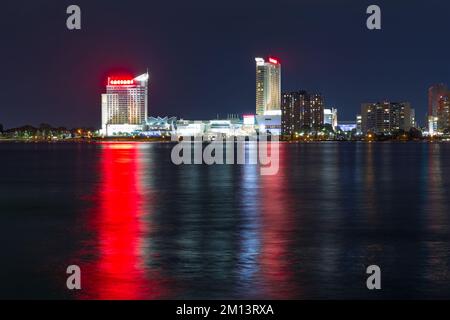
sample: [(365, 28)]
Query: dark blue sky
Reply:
[(200, 54)]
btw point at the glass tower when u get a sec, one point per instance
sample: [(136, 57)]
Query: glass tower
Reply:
[(268, 86)]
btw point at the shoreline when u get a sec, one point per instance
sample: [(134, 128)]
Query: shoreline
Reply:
[(146, 140)]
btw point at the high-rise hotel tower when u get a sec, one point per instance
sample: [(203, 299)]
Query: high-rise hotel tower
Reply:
[(268, 86), (435, 93), (125, 104)]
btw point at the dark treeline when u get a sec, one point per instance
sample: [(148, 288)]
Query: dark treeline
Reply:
[(44, 130)]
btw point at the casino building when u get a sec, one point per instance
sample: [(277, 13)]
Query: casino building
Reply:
[(125, 105)]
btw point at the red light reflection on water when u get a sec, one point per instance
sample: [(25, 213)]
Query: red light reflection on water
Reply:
[(118, 270), (277, 268)]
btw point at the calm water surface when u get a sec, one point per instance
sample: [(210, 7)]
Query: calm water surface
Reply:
[(142, 228)]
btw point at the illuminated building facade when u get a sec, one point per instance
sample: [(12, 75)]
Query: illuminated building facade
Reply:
[(269, 124), (313, 115), (159, 127), (268, 86), (347, 126), (443, 113), (435, 93), (125, 105), (213, 129), (385, 117), (248, 125), (375, 117), (358, 124), (289, 107), (190, 128), (301, 109), (292, 109), (330, 117)]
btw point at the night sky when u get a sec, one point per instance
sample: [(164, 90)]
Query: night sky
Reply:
[(200, 54)]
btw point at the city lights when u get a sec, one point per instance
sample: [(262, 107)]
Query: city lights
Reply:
[(122, 82), (273, 60), (124, 111), (268, 86)]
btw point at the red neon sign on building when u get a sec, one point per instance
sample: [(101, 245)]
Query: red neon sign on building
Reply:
[(274, 60), (121, 82)]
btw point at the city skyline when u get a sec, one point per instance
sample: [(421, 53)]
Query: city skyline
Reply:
[(127, 97), (125, 106)]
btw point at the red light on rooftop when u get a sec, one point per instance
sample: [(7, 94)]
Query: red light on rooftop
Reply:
[(273, 60), (121, 82)]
